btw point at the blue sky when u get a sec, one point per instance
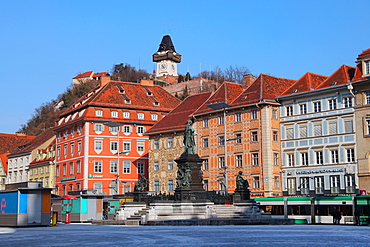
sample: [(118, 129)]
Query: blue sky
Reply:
[(43, 44)]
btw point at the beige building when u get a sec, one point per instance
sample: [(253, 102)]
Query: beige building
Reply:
[(361, 88), (42, 168), (166, 144)]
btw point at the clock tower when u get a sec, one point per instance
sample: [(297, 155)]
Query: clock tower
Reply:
[(166, 58)]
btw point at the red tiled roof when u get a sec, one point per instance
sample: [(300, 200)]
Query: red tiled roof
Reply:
[(307, 82), (358, 73), (100, 74), (343, 75), (265, 87), (232, 91), (37, 141), (10, 142), (140, 96), (86, 74), (363, 54), (46, 159), (177, 119)]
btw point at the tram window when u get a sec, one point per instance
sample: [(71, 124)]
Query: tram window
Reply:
[(346, 210), (299, 210), (273, 209)]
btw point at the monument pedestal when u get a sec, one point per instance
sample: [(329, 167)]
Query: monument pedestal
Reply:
[(241, 195), (185, 190)]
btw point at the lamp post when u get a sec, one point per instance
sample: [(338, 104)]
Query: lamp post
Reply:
[(113, 124), (218, 106)]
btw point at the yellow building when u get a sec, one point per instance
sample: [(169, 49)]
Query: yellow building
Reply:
[(42, 168)]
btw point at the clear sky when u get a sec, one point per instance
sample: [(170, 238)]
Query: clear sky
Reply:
[(43, 44)]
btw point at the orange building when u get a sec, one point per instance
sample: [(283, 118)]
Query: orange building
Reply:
[(90, 155), (242, 135)]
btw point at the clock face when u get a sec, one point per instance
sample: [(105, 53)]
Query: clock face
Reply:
[(163, 66)]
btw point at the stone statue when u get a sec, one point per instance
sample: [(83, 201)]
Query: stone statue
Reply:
[(189, 142), (241, 183), (183, 179), (141, 184), (187, 178)]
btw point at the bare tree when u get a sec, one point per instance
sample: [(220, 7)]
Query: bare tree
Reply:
[(126, 72), (236, 73)]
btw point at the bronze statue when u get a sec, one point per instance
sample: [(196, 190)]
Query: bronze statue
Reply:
[(141, 184), (189, 142), (241, 183)]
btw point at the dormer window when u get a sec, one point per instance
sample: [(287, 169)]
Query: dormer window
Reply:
[(114, 114), (99, 113), (334, 83), (127, 101), (140, 115), (367, 67)]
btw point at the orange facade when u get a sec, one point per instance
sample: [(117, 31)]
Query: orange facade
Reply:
[(91, 155)]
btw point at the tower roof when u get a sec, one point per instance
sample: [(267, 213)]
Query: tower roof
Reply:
[(166, 44)]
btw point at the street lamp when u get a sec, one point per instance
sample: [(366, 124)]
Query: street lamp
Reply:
[(116, 124), (218, 106)]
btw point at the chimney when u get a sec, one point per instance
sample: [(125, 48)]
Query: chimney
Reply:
[(147, 82), (104, 79), (248, 79)]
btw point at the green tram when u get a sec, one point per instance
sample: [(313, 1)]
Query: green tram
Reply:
[(317, 210)]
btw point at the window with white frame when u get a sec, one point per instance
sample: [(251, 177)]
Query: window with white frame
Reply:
[(334, 156), (157, 186), (348, 126), (238, 160), (332, 104), (65, 134), (254, 114), (65, 150), (140, 115), (220, 120), (126, 114), (368, 126), (205, 142), (170, 165), (140, 168), (79, 129), (254, 136), (333, 128), (290, 159), (276, 182), (78, 166), (350, 183), (98, 145), (205, 164), (154, 117), (127, 129), (113, 146), (127, 146), (289, 133), (98, 127), (303, 108), (256, 182), (317, 128), (319, 157), (274, 114), (72, 148), (292, 186), (113, 166), (140, 130), (98, 166), (367, 67), (71, 168), (73, 132), (156, 166), (169, 142), (79, 146), (205, 123), (140, 146), (289, 110), (302, 131), (275, 136), (334, 184), (221, 162), (221, 140), (238, 117), (317, 106), (276, 159), (350, 154), (170, 185), (126, 167), (347, 102), (367, 95), (98, 113), (304, 159), (255, 159), (114, 129), (238, 137), (98, 187), (304, 185), (156, 144), (319, 185), (114, 114)]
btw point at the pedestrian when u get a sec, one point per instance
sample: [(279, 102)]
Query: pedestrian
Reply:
[(338, 216), (357, 215), (334, 214)]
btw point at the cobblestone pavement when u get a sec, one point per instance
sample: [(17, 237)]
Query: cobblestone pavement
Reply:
[(256, 235)]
